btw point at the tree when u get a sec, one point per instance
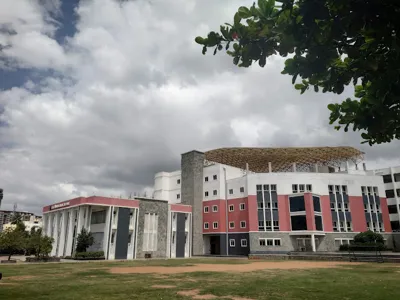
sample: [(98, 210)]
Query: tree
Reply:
[(12, 240), (331, 44), (40, 244), (369, 238), (84, 240)]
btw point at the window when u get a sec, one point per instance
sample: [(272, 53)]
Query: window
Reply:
[(206, 225), (348, 226), (396, 177), (363, 190), (150, 232), (273, 187), (369, 190), (387, 178), (378, 208), (231, 207), (206, 179), (339, 205), (368, 228), (309, 188), (178, 196), (243, 242), (261, 225), (294, 189), (215, 208), (335, 226), (262, 242), (215, 177), (346, 207), (301, 188), (129, 238), (98, 217), (297, 204), (337, 188), (259, 187), (268, 204), (112, 238), (375, 191), (178, 181), (299, 222), (266, 187), (277, 242), (206, 209), (215, 192), (206, 193), (231, 243), (381, 227), (270, 242), (268, 225), (341, 226), (392, 209), (242, 224), (231, 192), (242, 206), (275, 205), (215, 225), (344, 189), (276, 225), (398, 192), (231, 225), (389, 193), (260, 205), (318, 223), (242, 189), (332, 206), (365, 207), (330, 188), (317, 204)]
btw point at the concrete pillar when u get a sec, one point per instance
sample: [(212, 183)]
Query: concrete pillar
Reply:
[(364, 167), (316, 168), (314, 249), (347, 166), (70, 233), (356, 167), (294, 167), (269, 167), (192, 164), (62, 231)]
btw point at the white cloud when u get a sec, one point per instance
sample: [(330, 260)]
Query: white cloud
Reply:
[(131, 92)]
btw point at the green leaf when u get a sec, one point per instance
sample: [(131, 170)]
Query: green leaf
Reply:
[(199, 40), (244, 12), (332, 107), (236, 19), (316, 89), (204, 50), (298, 86)]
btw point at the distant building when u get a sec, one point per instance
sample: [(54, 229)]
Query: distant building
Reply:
[(6, 216), (391, 180), (34, 222)]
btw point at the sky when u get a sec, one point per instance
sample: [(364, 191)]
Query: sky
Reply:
[(96, 96)]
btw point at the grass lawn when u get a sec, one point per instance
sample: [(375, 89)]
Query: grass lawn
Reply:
[(93, 280)]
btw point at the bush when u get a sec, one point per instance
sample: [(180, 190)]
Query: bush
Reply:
[(369, 238), (363, 247), (89, 255), (84, 240), (43, 259)]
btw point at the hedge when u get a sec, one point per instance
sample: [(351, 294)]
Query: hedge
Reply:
[(363, 247), (43, 259), (89, 255)]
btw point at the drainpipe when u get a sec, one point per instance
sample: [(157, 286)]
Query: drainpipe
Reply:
[(226, 213)]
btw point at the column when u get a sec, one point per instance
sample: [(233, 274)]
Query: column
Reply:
[(71, 224), (313, 243), (62, 230), (107, 232)]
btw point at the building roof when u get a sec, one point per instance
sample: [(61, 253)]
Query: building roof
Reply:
[(282, 159)]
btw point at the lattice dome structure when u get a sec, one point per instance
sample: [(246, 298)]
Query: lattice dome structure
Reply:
[(282, 159)]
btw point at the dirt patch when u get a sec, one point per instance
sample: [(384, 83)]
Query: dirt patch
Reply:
[(194, 294), (236, 298), (256, 266), (20, 277), (163, 286)]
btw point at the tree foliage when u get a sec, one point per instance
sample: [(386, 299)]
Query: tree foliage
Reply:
[(12, 240), (84, 240), (368, 238), (330, 44), (41, 245)]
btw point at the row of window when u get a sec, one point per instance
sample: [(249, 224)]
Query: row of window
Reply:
[(373, 227), (369, 190), (370, 208), (242, 206), (267, 225), (337, 189), (241, 190), (260, 205), (338, 206), (266, 187), (215, 177), (301, 188), (231, 225), (342, 228), (388, 178), (270, 242), (243, 243)]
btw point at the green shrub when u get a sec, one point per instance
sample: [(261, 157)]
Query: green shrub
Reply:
[(89, 255), (363, 247), (369, 237)]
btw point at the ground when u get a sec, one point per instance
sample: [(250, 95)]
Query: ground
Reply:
[(234, 279)]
